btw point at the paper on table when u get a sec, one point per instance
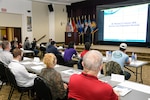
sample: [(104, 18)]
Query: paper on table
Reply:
[(71, 71), (26, 58), (38, 68), (117, 77), (57, 66), (122, 90), (37, 63), (136, 86), (26, 63)]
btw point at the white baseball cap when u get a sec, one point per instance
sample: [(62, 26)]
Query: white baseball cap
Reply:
[(123, 45)]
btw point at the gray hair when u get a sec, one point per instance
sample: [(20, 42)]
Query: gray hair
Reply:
[(92, 60), (5, 44)]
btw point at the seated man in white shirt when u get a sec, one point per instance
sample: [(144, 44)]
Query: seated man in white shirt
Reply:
[(22, 76), (6, 56)]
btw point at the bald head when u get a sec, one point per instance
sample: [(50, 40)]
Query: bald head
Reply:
[(92, 60)]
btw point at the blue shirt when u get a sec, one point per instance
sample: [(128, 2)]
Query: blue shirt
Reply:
[(69, 53), (52, 49), (120, 57)]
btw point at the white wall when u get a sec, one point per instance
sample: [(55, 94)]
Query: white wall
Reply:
[(60, 22), (53, 24), (18, 7), (40, 15), (9, 20)]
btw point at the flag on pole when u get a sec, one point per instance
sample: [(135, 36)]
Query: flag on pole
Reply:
[(68, 26), (70, 23), (74, 25), (89, 23), (82, 22), (85, 20), (80, 28), (93, 23)]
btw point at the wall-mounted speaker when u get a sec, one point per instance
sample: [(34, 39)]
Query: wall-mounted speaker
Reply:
[(50, 7)]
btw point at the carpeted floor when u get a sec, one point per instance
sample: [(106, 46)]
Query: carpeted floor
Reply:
[(6, 88)]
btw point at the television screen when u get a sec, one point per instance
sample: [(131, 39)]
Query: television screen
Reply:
[(124, 24)]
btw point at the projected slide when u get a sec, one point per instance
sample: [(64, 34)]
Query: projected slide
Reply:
[(127, 24)]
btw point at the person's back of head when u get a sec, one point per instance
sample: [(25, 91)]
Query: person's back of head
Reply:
[(26, 38), (123, 46), (53, 42), (87, 45), (6, 45), (50, 40), (50, 60), (17, 52), (93, 60), (34, 39), (71, 44)]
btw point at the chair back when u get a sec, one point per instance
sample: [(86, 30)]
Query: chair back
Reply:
[(3, 76), (11, 77), (112, 67), (42, 89), (80, 64), (60, 59)]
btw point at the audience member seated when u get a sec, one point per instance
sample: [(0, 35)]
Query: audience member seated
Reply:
[(57, 86), (5, 38), (53, 48), (34, 47), (86, 86), (27, 44), (48, 43), (6, 56), (68, 54), (86, 49), (14, 44), (22, 76), (122, 58)]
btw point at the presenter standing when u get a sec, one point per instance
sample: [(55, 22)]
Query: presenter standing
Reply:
[(87, 33)]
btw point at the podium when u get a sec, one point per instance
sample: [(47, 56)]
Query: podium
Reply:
[(71, 36)]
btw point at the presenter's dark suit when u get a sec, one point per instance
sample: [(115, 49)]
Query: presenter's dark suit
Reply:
[(87, 34)]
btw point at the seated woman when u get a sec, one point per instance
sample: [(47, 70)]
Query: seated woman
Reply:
[(86, 49), (69, 52), (57, 86)]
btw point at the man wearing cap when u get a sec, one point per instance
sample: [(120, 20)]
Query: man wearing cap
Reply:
[(122, 58)]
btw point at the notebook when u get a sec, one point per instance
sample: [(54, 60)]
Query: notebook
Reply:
[(122, 90)]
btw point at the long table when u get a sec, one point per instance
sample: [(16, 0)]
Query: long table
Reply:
[(134, 64), (138, 92)]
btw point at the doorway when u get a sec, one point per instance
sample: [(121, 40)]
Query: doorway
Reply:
[(10, 33)]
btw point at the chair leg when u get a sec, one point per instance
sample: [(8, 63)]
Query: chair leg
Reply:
[(11, 92), (1, 85), (21, 95)]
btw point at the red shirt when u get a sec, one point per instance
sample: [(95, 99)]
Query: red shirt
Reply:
[(83, 53), (88, 87)]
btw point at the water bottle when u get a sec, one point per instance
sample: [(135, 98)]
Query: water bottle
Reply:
[(109, 55), (133, 56)]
